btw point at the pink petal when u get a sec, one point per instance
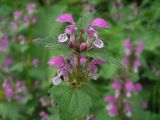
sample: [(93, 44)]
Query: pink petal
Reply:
[(57, 61), (65, 18), (116, 85), (99, 22), (139, 47)]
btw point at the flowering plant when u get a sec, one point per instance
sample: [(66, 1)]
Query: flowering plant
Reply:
[(76, 70)]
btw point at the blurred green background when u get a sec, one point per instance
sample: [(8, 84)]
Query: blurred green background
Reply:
[(133, 19)]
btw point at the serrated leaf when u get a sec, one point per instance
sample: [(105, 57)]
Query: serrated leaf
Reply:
[(71, 102)]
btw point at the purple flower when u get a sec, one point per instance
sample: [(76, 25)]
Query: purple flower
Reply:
[(128, 109), (110, 99), (99, 22), (69, 29), (92, 32), (128, 46), (3, 45), (98, 43), (21, 38), (21, 87), (65, 18), (139, 47), (137, 87), (14, 25), (137, 64), (62, 37), (83, 60), (43, 101), (26, 20), (35, 62), (93, 67), (57, 61), (31, 7), (8, 90), (8, 62), (44, 115), (127, 43), (17, 15), (126, 60), (83, 47), (71, 43), (112, 111), (56, 80), (63, 71), (129, 85), (116, 85)]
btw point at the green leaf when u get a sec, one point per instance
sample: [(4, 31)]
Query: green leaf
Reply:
[(71, 102)]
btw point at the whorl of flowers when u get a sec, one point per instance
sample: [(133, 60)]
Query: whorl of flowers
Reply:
[(76, 68), (132, 54), (119, 104)]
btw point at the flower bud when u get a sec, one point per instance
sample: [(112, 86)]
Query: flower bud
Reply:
[(71, 43), (83, 47)]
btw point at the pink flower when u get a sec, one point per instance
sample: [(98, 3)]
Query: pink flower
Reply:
[(26, 20), (31, 7), (139, 47), (137, 87), (14, 25), (93, 67), (83, 46), (126, 60), (8, 62), (129, 85), (112, 111), (69, 30), (92, 32), (98, 43), (128, 109), (116, 85), (128, 46), (65, 18), (83, 59), (56, 80), (8, 90), (43, 101), (99, 22), (3, 45), (137, 64), (21, 38), (127, 43), (21, 87), (35, 62), (44, 115), (110, 99), (57, 61), (17, 14)]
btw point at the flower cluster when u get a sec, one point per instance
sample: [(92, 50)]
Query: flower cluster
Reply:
[(68, 68), (123, 91), (132, 53), (17, 91), (76, 68), (27, 19), (92, 34)]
